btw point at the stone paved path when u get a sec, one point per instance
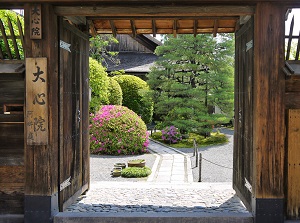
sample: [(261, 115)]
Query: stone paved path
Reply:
[(169, 189), (148, 197)]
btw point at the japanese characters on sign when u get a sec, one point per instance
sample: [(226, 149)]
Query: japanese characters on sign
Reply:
[(36, 101), (36, 22)]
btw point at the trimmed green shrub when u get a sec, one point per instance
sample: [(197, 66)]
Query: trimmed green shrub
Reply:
[(99, 83), (117, 130), (115, 95), (135, 96), (136, 172)]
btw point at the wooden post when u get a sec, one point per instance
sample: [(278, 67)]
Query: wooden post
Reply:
[(268, 113), (41, 160)]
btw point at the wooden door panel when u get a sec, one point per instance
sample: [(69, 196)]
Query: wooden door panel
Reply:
[(73, 158)]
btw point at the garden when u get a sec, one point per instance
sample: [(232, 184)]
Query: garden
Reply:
[(188, 92)]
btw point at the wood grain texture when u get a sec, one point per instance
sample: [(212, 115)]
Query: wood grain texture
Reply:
[(293, 185), (41, 162), (269, 87), (243, 135)]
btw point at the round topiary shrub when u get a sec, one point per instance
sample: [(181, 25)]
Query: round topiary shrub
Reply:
[(99, 84), (135, 96), (114, 92), (117, 130)]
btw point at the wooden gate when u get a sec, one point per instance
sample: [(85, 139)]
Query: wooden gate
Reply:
[(243, 132), (74, 97)]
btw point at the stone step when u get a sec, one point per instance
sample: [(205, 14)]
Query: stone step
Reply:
[(65, 217)]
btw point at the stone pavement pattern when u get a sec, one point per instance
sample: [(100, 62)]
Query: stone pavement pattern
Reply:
[(168, 190), (145, 197)]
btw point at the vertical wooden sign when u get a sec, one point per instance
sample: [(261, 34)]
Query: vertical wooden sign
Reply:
[(36, 21), (36, 101)]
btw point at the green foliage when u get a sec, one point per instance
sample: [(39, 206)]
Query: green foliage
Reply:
[(192, 76), (117, 130), (99, 83), (98, 49), (135, 96), (136, 172), (115, 95), (4, 15), (214, 139)]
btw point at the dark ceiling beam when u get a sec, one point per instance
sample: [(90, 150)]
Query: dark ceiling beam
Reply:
[(113, 28), (175, 28), (93, 31), (216, 26), (162, 17), (153, 28), (132, 23), (195, 27), (148, 11), (142, 39)]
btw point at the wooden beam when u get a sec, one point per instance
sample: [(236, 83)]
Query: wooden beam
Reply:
[(146, 11), (113, 28), (21, 34), (175, 28), (216, 26), (132, 24), (77, 20), (13, 38), (268, 98), (298, 48), (4, 36), (153, 28), (92, 28), (195, 27), (288, 50)]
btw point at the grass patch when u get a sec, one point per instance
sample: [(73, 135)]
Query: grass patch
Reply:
[(215, 139), (136, 172)]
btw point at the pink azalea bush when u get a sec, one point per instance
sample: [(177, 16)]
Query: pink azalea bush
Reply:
[(171, 135), (117, 130)]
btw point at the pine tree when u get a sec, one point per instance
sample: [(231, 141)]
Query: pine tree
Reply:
[(192, 76)]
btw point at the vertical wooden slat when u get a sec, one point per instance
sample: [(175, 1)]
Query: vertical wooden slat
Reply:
[(154, 28), (132, 23), (216, 26), (113, 28), (293, 187), (5, 40), (13, 38), (288, 50), (175, 28), (21, 34), (298, 48), (195, 27)]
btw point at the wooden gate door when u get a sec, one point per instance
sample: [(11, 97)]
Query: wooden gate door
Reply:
[(243, 131), (74, 149)]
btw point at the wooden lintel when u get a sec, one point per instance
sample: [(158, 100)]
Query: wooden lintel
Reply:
[(153, 28), (195, 27), (155, 17), (216, 26), (146, 11), (92, 28), (113, 28), (175, 28), (132, 23)]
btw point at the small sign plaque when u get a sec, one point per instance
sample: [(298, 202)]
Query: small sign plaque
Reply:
[(36, 101), (36, 21)]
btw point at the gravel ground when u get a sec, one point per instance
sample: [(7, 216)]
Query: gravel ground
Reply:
[(222, 155), (102, 165)]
